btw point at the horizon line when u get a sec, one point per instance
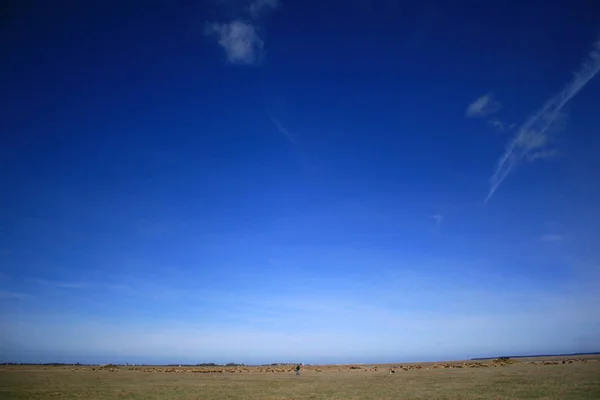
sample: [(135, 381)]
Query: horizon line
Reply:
[(213, 364)]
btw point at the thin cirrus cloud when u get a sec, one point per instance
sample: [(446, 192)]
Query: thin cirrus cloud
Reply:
[(60, 284), (438, 218), (259, 7), (534, 137), (240, 39), (497, 124), (288, 135), (8, 294), (482, 107), (552, 238)]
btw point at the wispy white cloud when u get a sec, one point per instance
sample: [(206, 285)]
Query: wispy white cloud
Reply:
[(497, 124), (288, 135), (483, 106), (240, 41), (240, 38), (543, 155), (7, 294), (533, 138), (61, 284), (553, 237), (438, 218), (259, 7)]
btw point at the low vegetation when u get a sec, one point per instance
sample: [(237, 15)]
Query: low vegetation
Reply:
[(502, 378)]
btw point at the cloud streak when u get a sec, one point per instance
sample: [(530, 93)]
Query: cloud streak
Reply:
[(288, 135), (553, 237), (533, 138), (61, 285), (259, 7), (438, 218), (483, 106), (7, 294), (497, 124)]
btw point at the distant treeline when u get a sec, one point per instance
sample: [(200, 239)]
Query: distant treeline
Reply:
[(540, 355), (127, 364), (206, 365), (148, 365), (46, 364), (229, 365)]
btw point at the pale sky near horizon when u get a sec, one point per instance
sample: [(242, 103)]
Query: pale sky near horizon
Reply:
[(320, 182)]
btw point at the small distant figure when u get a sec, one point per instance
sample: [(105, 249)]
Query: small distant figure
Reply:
[(298, 369), (392, 371)]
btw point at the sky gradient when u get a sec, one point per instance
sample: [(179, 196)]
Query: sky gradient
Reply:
[(270, 181)]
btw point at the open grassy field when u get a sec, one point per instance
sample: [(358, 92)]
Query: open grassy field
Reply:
[(579, 379)]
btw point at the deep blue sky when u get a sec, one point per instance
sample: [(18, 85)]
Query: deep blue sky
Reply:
[(332, 181)]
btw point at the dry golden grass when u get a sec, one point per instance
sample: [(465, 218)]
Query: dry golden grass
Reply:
[(520, 380)]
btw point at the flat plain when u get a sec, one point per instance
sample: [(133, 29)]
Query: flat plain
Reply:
[(555, 378)]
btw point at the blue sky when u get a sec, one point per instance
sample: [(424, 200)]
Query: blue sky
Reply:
[(264, 181)]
